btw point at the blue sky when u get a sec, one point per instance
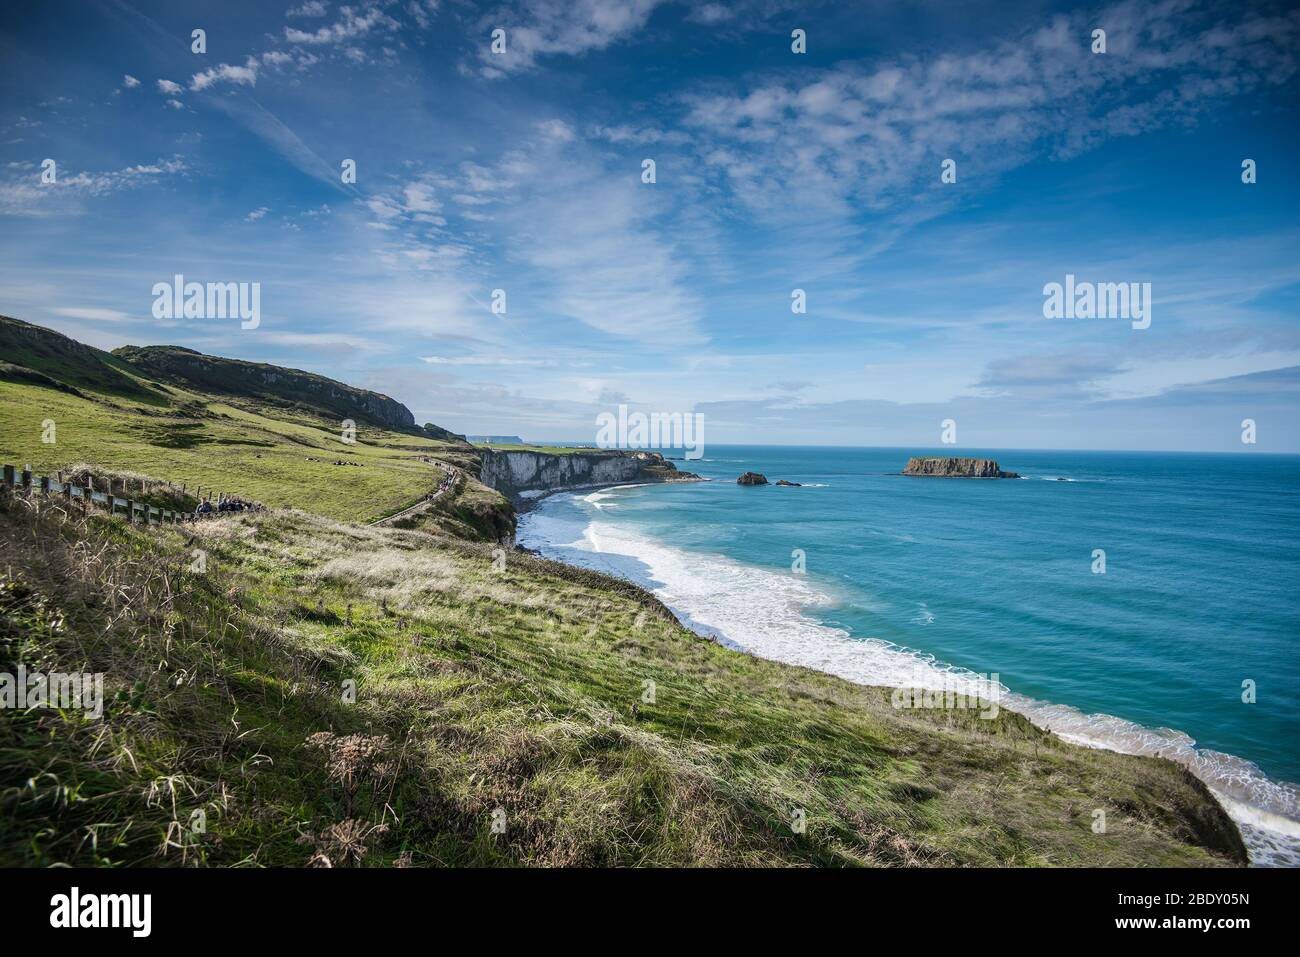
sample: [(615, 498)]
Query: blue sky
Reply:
[(774, 171)]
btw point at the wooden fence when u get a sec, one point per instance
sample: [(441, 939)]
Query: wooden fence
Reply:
[(85, 494)]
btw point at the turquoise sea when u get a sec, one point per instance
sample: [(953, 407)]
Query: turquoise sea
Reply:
[(906, 577)]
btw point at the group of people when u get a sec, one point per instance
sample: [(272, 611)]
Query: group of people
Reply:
[(448, 482), (227, 503)]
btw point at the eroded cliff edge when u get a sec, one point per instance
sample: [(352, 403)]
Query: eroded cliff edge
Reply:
[(513, 473)]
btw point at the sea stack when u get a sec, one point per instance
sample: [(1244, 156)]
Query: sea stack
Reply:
[(752, 478), (939, 466)]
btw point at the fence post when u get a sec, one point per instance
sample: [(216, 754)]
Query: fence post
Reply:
[(27, 478), (45, 485), (9, 476), (130, 511)]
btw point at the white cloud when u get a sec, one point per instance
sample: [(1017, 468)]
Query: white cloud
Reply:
[(92, 313), (710, 14), (482, 361), (318, 340), (130, 82), (225, 73), (349, 27), (167, 86), (556, 130), (421, 11), (312, 8), (870, 134), (548, 27), (21, 197), (256, 214), (419, 198)]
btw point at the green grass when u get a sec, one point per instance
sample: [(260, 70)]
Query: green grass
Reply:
[(481, 689), (280, 459)]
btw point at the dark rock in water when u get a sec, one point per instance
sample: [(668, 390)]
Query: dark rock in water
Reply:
[(752, 478), (789, 484), (939, 466)]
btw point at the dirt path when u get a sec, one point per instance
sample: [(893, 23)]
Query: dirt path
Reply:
[(457, 476)]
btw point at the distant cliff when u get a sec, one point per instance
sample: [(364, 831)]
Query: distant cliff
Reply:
[(938, 466), (513, 473), (495, 439)]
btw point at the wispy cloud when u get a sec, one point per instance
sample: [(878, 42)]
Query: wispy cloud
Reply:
[(26, 195), (93, 314), (351, 25), (482, 361), (312, 8), (541, 28)]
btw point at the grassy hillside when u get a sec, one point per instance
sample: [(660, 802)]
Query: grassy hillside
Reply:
[(273, 453), (27, 349), (519, 692)]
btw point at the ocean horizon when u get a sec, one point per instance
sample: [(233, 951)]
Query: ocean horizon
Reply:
[(900, 581)]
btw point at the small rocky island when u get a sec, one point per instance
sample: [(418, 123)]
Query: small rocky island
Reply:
[(939, 466), (752, 478), (789, 484)]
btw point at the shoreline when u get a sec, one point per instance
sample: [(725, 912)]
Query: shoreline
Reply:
[(1272, 837), (523, 505)]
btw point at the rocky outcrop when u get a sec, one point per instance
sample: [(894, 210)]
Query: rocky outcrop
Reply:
[(789, 484), (752, 478), (938, 466), (514, 473), (438, 432)]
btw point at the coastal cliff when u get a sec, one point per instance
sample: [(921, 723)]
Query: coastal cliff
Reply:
[(513, 473), (938, 466)]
